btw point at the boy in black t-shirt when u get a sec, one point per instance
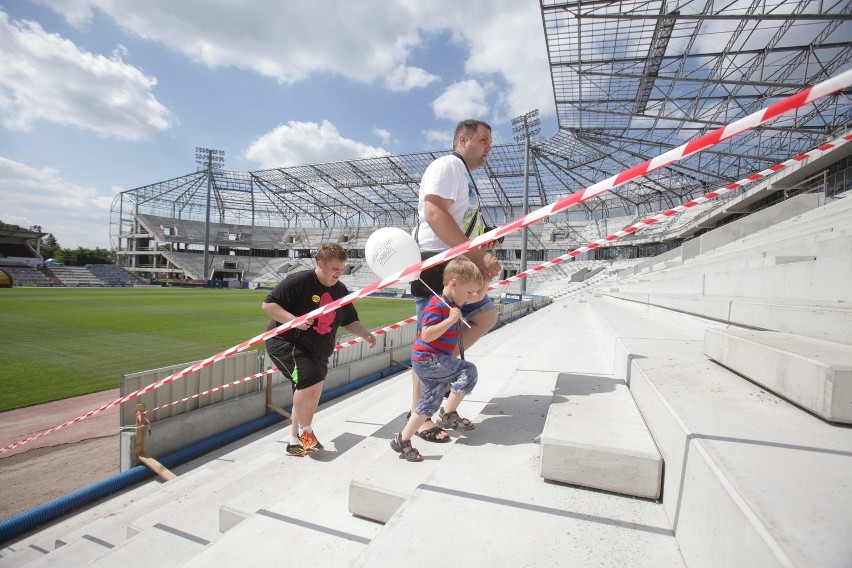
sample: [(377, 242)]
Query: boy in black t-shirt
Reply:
[(301, 353)]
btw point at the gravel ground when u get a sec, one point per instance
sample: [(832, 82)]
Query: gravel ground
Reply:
[(61, 462)]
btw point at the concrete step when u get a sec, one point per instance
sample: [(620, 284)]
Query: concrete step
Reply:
[(308, 525), (180, 529), (812, 373), (595, 437), (782, 280), (822, 216), (106, 523), (751, 480), (379, 489), (486, 505), (176, 511), (371, 414), (627, 330), (802, 229), (830, 321)]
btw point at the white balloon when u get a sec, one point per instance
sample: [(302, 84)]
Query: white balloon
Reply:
[(390, 250)]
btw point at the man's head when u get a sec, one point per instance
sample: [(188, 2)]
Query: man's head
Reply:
[(472, 140), (331, 260)]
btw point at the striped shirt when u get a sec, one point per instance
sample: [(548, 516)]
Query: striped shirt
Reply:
[(435, 312)]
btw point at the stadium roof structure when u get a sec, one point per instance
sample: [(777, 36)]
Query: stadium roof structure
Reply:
[(631, 80)]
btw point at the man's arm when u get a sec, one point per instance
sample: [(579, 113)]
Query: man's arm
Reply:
[(279, 314), (436, 212), (358, 329)]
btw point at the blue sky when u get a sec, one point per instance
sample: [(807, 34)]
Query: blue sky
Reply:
[(101, 96)]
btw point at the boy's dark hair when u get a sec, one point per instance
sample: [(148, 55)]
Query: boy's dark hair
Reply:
[(330, 251)]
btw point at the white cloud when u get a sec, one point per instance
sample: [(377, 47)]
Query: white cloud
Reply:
[(439, 138), (407, 78), (297, 143), (284, 41), (76, 215), (509, 42), (382, 134), (465, 99), (46, 77), (288, 41)]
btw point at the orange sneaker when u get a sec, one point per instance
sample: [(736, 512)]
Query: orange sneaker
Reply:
[(297, 450), (310, 442)]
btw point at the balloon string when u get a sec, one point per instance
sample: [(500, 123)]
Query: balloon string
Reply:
[(442, 300)]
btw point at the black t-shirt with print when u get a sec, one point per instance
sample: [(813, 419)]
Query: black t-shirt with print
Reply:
[(299, 294)]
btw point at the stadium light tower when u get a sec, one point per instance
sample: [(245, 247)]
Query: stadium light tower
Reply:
[(208, 159), (525, 127), (37, 228)]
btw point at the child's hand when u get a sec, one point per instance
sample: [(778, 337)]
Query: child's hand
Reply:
[(455, 315)]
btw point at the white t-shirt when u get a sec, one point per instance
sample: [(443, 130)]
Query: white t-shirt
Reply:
[(446, 177)]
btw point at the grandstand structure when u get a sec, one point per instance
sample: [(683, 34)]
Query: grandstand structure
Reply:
[(631, 80), (690, 409), (22, 265)]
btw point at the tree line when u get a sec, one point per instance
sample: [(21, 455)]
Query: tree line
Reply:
[(49, 247)]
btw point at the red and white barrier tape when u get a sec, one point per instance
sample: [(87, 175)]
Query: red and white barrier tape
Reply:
[(630, 230), (381, 331), (828, 87), (636, 227), (214, 389)]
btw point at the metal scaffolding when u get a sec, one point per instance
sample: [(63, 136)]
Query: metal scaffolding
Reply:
[(631, 80)]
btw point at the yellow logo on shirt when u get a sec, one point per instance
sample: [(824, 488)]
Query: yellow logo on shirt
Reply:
[(315, 299)]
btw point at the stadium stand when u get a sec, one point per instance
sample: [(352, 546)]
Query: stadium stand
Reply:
[(754, 466), (74, 275), (28, 276), (695, 376)]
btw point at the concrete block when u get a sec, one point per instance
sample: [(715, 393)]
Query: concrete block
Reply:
[(377, 491), (595, 437), (750, 479), (812, 373), (831, 321), (789, 259)]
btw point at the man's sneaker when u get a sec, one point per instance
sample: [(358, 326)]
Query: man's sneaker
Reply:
[(297, 450), (310, 442)]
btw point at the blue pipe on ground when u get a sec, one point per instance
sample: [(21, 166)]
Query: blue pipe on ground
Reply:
[(22, 522)]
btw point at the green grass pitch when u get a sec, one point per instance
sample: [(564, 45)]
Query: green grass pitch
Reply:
[(56, 343)]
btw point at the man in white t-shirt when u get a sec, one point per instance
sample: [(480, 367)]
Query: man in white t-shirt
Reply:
[(448, 214)]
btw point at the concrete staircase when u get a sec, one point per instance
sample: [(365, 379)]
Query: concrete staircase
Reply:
[(695, 414)]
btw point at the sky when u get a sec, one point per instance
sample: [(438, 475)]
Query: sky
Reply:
[(101, 96)]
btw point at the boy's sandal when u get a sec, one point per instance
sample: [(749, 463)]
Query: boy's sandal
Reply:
[(405, 450), (431, 435), (452, 421)]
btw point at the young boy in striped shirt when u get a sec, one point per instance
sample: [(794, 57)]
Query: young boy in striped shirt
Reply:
[(432, 357)]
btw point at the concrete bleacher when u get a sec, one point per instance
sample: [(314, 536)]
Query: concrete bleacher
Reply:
[(75, 275), (111, 275), (692, 411), (29, 276)]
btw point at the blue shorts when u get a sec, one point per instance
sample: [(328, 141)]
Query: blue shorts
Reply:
[(435, 374), (468, 311)]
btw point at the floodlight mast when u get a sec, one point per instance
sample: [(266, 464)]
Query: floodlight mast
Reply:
[(524, 128), (208, 158)]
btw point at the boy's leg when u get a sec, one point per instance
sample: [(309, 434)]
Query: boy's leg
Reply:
[(453, 402), (412, 425), (465, 376), (416, 391)]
